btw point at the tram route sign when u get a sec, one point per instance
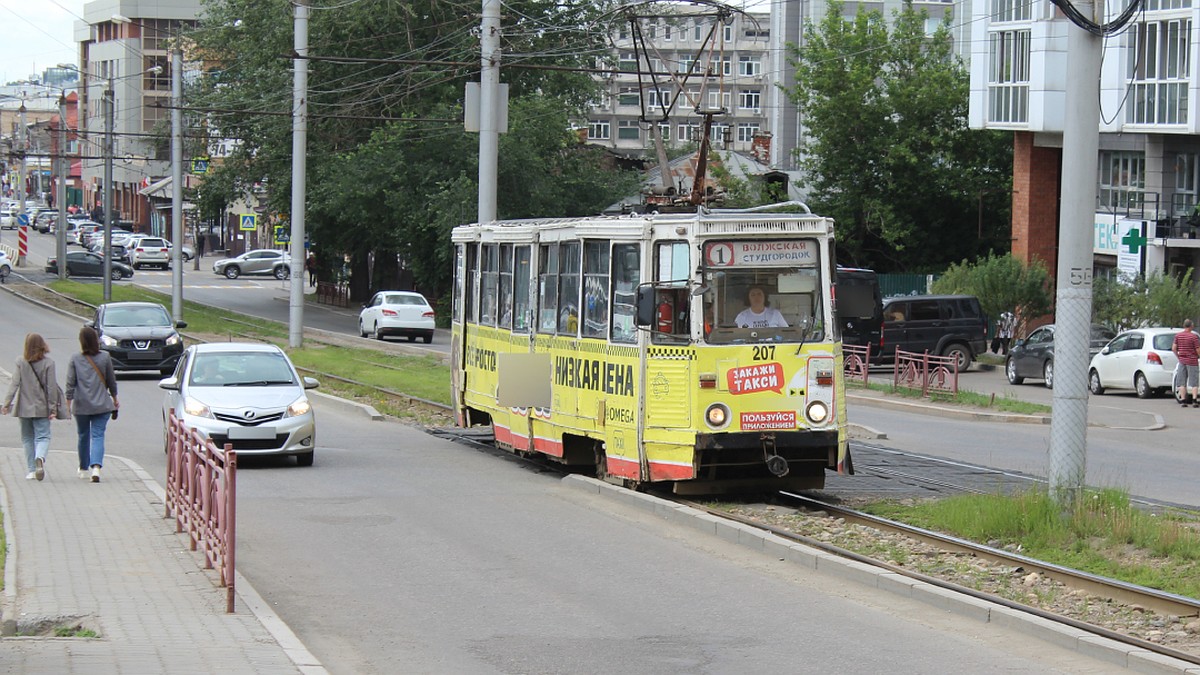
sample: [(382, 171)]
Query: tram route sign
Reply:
[(765, 253)]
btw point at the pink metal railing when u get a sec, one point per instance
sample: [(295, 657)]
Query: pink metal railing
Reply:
[(925, 372), (202, 497), (856, 362)]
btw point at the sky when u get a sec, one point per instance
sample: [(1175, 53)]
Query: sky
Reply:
[(37, 34)]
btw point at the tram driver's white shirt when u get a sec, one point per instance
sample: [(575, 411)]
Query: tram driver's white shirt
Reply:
[(769, 317)]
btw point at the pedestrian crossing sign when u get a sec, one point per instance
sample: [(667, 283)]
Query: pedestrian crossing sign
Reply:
[(282, 236), (248, 222), (200, 165)]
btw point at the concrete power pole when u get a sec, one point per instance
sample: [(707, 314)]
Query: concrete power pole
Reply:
[(1081, 142), (299, 170), (489, 105), (109, 104), (177, 181), (60, 190)]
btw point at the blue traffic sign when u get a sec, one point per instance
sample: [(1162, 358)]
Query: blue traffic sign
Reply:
[(23, 219), (248, 221)]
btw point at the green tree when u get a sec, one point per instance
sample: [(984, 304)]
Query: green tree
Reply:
[(390, 167), (1138, 301), (888, 153), (1002, 284)]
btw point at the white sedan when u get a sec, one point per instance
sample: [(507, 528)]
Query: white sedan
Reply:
[(397, 313), (1140, 359)]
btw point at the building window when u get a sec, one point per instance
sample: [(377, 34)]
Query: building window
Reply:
[(749, 99), (698, 32), (1158, 71), (627, 62), (746, 132), (1122, 179), (656, 98), (728, 34), (688, 132), (1152, 5), (628, 130), (1187, 183), (1011, 10), (599, 130), (664, 131), (629, 96), (1008, 76), (688, 64), (667, 32), (750, 66), (718, 100)]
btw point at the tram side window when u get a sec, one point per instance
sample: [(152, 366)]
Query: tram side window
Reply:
[(521, 278), (595, 288), (472, 288), (547, 288), (671, 299), (506, 286), (626, 275), (457, 307), (568, 288), (488, 284)]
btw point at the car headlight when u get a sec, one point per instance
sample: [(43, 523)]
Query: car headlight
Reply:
[(817, 412), (107, 341), (717, 416), (196, 409), (299, 407), (173, 340)]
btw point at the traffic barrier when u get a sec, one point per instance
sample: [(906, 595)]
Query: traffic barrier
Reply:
[(202, 497), (856, 362), (925, 372)]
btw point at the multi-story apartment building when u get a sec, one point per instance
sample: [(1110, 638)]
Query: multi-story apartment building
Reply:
[(1149, 164), (124, 45), (733, 80)]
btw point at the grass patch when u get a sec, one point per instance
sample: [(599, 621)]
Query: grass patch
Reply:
[(1004, 403), (1102, 534), (420, 376), (75, 632)]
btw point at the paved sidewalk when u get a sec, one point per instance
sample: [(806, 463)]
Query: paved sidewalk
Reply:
[(101, 556)]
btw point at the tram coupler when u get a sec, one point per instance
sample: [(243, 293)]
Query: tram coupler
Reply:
[(777, 465)]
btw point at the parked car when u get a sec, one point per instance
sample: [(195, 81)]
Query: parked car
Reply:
[(83, 229), (148, 251), (245, 394), (403, 313), (1140, 359), (5, 266), (8, 219), (139, 336), (45, 221), (1034, 356), (944, 325), (259, 261), (88, 264)]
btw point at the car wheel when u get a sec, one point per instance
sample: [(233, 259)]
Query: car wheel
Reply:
[(116, 274), (1094, 385), (281, 272), (378, 333), (136, 266), (1048, 374), (362, 332), (1141, 386), (232, 272), (427, 338), (1010, 371), (961, 356), (412, 338), (305, 460)]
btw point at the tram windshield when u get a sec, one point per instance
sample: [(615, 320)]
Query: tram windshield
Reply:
[(762, 292)]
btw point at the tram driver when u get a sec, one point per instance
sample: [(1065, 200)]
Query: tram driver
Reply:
[(759, 313)]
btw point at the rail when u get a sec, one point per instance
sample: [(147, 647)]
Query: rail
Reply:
[(928, 373), (856, 362), (333, 293), (202, 497)]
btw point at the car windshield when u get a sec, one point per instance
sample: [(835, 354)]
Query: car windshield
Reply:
[(135, 317), (241, 369)]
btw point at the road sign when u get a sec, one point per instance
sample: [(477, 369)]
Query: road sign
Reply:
[(200, 165), (23, 219), (282, 236), (248, 222)]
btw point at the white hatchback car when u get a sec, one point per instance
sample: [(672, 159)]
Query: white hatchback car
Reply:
[(246, 394), (1140, 359), (404, 313)]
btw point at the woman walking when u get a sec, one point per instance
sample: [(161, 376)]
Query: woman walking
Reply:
[(92, 395), (35, 385)]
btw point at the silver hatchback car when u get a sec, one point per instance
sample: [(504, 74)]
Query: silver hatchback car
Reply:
[(246, 394)]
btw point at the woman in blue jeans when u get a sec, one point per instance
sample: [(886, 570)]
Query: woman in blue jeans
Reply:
[(35, 387), (92, 395)]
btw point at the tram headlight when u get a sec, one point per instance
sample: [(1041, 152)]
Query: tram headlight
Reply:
[(717, 416), (817, 412)]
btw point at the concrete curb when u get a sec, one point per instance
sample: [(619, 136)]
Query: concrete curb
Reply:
[(368, 411), (8, 602), (982, 611), (984, 416), (864, 432)]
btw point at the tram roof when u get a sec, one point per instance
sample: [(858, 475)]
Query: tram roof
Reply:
[(725, 222)]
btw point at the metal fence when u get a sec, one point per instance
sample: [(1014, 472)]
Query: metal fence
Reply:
[(928, 373), (202, 497), (336, 293)]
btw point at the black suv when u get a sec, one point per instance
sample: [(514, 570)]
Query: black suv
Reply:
[(943, 325), (139, 336)]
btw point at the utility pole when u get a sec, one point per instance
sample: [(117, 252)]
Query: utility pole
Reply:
[(489, 104), (60, 190), (21, 177), (299, 172), (1081, 143), (106, 250), (177, 181)]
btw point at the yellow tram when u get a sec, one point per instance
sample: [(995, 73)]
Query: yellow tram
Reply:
[(696, 350)]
